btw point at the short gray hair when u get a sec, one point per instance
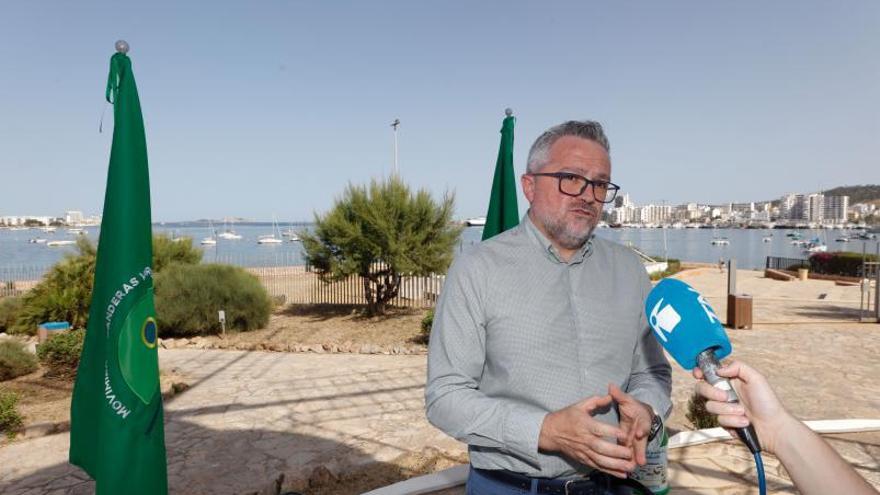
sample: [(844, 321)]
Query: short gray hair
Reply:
[(587, 129)]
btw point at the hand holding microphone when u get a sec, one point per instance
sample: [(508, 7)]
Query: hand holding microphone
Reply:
[(814, 467), (688, 328), (758, 405)]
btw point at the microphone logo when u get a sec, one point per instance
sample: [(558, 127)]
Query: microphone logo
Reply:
[(663, 320), (706, 308)]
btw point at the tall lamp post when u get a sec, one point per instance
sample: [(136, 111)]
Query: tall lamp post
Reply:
[(394, 125)]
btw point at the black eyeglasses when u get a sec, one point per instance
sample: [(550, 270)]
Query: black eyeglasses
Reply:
[(574, 185)]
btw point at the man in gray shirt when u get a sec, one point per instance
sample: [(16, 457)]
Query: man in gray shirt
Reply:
[(540, 357)]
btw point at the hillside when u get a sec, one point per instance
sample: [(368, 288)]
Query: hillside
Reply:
[(868, 193), (857, 194)]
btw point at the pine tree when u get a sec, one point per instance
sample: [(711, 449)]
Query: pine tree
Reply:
[(381, 233)]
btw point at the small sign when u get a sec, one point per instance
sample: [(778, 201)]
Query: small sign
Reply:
[(222, 315)]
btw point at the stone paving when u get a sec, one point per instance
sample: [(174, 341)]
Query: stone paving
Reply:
[(251, 416)]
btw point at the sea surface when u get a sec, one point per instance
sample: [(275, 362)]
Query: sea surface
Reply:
[(746, 245)]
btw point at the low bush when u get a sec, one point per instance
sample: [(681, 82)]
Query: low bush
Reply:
[(427, 323), (15, 360), (167, 251), (9, 309), (698, 415), (188, 298), (61, 353), (840, 263), (65, 293), (673, 266), (10, 420)]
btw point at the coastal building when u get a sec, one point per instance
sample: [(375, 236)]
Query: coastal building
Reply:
[(623, 214), (655, 214), (73, 217), (836, 209), (788, 205), (814, 208), (13, 221), (622, 201)]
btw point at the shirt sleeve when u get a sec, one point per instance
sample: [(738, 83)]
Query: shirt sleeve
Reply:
[(456, 357), (651, 376)]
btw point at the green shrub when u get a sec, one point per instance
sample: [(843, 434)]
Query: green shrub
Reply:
[(427, 323), (60, 354), (167, 251), (188, 298), (839, 263), (15, 360), (673, 266), (698, 415), (65, 293), (9, 309), (10, 420)]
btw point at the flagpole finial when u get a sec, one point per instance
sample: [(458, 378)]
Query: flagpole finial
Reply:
[(508, 111), (122, 46)]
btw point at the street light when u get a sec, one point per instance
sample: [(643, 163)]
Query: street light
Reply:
[(394, 125)]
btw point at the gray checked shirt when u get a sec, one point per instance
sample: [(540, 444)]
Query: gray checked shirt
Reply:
[(519, 333)]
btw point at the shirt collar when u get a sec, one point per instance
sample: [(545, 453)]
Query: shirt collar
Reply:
[(539, 240)]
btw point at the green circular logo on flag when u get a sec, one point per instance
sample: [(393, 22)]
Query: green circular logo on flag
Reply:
[(138, 356)]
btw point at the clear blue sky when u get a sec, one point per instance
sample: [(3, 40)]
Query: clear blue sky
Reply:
[(261, 108)]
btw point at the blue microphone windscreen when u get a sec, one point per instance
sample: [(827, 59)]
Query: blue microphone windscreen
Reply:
[(684, 323)]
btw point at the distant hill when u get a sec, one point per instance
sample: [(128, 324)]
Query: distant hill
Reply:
[(868, 193), (857, 194)]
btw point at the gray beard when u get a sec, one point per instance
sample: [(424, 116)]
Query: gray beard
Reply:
[(566, 237)]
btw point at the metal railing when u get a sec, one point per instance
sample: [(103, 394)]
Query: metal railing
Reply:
[(781, 263), (16, 280)]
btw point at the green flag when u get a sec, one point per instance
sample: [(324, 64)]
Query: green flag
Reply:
[(116, 419), (503, 212)]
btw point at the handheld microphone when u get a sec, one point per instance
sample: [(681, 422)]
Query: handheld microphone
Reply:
[(688, 328)]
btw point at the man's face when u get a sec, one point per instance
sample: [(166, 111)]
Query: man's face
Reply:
[(568, 221)]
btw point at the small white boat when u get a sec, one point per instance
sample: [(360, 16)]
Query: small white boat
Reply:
[(229, 235), (816, 248), (767, 239), (294, 238), (842, 239), (476, 222), (37, 241), (60, 243), (269, 239), (720, 241), (211, 240)]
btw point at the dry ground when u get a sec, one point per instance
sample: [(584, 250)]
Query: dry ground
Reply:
[(307, 324), (45, 401)]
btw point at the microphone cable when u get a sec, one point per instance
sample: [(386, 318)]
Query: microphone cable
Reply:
[(762, 482)]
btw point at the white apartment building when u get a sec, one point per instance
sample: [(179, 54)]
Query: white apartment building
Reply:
[(656, 214), (73, 217), (836, 209)]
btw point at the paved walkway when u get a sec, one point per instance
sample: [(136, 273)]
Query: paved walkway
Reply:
[(251, 416)]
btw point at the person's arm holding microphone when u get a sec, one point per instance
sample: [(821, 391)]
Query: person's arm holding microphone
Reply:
[(814, 467)]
